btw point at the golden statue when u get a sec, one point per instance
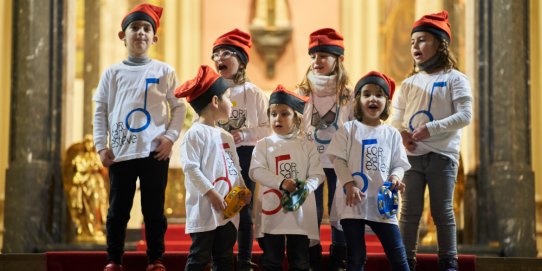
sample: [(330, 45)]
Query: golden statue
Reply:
[(85, 186)]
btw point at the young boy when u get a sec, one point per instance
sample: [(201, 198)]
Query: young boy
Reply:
[(211, 167), (132, 102)]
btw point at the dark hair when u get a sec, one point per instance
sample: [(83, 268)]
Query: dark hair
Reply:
[(198, 110), (358, 111), (343, 92), (446, 58)]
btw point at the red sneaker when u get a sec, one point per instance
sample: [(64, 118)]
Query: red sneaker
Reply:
[(156, 266), (111, 266)]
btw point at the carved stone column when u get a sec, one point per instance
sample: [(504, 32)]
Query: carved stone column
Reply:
[(505, 191), (34, 207)]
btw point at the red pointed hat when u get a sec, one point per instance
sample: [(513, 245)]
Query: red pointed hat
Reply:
[(326, 40), (146, 12), (436, 24), (283, 96), (237, 41), (378, 78), (200, 90)]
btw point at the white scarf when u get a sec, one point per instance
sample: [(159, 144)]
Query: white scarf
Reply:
[(324, 88)]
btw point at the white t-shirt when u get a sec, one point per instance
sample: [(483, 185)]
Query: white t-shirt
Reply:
[(375, 151), (134, 106), (447, 96), (274, 159), (250, 102), (209, 161), (322, 137)]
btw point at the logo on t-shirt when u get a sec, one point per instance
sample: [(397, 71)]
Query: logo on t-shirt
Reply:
[(374, 159), (230, 165), (120, 137), (286, 169)]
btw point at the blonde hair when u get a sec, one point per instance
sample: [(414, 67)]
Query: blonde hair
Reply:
[(240, 77), (298, 120), (446, 58), (343, 92), (358, 111)]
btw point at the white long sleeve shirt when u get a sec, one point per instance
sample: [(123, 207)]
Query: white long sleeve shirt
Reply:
[(134, 106), (209, 161), (274, 159), (449, 101)]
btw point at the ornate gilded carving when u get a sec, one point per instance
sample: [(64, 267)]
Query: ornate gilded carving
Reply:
[(86, 192), (271, 31)]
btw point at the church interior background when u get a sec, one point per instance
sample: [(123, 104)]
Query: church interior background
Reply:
[(377, 37)]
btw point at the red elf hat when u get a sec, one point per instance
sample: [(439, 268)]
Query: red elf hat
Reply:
[(146, 12), (326, 40), (283, 96), (236, 40), (378, 78), (436, 24), (200, 90)]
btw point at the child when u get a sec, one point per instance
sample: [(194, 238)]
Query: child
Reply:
[(211, 167), (278, 162), (433, 105), (325, 83), (247, 123), (132, 102), (366, 153)]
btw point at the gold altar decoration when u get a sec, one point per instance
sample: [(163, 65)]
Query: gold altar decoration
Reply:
[(271, 31), (86, 191)]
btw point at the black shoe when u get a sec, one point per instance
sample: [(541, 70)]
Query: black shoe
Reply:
[(412, 264), (247, 266), (315, 258), (448, 264), (337, 258)]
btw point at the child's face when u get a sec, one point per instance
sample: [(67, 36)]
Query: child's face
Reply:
[(281, 118), (423, 46), (226, 62), (323, 63), (224, 106), (373, 102), (138, 38)]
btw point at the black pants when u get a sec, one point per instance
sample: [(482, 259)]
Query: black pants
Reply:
[(297, 248), (216, 245), (153, 180), (246, 232)]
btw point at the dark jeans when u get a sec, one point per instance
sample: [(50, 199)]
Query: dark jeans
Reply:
[(389, 237), (216, 245), (246, 231), (297, 248), (337, 236), (153, 180)]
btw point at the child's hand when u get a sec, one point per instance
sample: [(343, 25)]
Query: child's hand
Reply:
[(217, 201), (237, 136), (408, 141), (420, 133), (247, 198), (289, 185), (353, 194), (164, 148), (107, 157), (396, 184)]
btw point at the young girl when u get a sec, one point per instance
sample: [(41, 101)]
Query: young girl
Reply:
[(279, 162), (366, 153), (433, 105), (211, 169), (325, 83), (247, 122)]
